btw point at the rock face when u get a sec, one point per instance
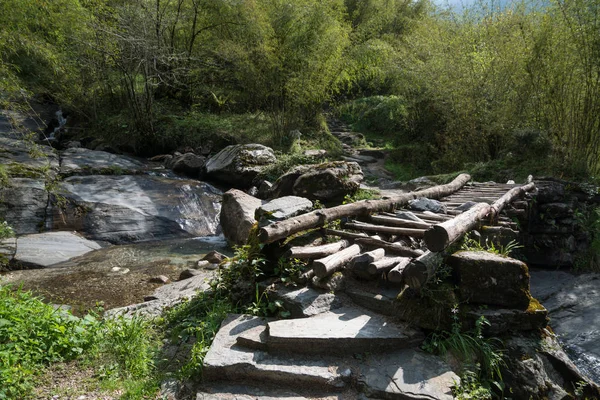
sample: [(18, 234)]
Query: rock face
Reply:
[(123, 209), (24, 205), (49, 248), (237, 215), (327, 181), (486, 278), (238, 165), (284, 207), (28, 154), (81, 161)]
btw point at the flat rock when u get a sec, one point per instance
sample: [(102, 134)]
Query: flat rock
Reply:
[(226, 360), (24, 205), (228, 391), (284, 207), (237, 215), (344, 331), (45, 249), (82, 161), (407, 374), (130, 208), (487, 278), (305, 301), (29, 154)]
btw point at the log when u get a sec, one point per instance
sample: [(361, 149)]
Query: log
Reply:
[(328, 265), (396, 274), (344, 234), (440, 236), (433, 217), (304, 252), (395, 221), (392, 248), (420, 269), (360, 263), (385, 264), (282, 229), (419, 233)]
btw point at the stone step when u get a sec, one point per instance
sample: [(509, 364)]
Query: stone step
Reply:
[(345, 331), (227, 360), (397, 374)]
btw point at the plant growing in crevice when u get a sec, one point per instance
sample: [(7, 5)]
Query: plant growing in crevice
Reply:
[(471, 244)]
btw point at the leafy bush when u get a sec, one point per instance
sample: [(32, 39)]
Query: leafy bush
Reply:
[(6, 231), (383, 114)]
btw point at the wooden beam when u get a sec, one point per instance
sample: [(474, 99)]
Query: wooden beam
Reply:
[(385, 264), (328, 265), (282, 229), (304, 252), (396, 274), (418, 233), (395, 221)]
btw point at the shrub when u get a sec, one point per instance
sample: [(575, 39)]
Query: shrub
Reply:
[(382, 114)]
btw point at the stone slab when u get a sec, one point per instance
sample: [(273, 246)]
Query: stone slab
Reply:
[(82, 161), (407, 374), (305, 301), (27, 153), (344, 331), (260, 391), (228, 361), (24, 205), (45, 249), (284, 207)]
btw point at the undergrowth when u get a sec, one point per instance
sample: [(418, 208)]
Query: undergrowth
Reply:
[(471, 244)]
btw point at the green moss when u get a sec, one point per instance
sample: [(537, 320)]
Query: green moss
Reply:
[(18, 170), (534, 306)]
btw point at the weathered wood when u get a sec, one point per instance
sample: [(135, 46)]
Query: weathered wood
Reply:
[(344, 234), (304, 252), (433, 217), (420, 269), (360, 263), (396, 274), (419, 233), (438, 237), (385, 264), (395, 221), (392, 248), (282, 229), (328, 265)]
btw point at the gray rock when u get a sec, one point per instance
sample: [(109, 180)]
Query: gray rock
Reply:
[(424, 204), (573, 303), (407, 374), (8, 249), (345, 331), (82, 161), (214, 257), (189, 273), (73, 144), (122, 209), (407, 215), (188, 164), (166, 296), (503, 320), (161, 279), (226, 360), (237, 215), (304, 302), (239, 164), (466, 206), (228, 391), (32, 155), (283, 208), (264, 189), (315, 154), (24, 205), (354, 139), (327, 181), (486, 278), (45, 249), (332, 283)]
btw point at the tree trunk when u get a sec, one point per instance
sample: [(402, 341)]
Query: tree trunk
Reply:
[(419, 270), (396, 274), (282, 229), (304, 252), (328, 265), (385, 264)]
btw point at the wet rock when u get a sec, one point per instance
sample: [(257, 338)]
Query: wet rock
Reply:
[(424, 204), (81, 161), (124, 209), (214, 257), (45, 249), (237, 215), (24, 205), (240, 164), (327, 181), (486, 278), (283, 208), (188, 164)]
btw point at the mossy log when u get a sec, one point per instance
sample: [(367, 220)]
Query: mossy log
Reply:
[(282, 229)]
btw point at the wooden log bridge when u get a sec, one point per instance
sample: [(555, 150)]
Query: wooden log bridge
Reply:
[(401, 246)]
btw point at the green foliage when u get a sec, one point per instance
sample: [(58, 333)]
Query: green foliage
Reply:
[(6, 231), (589, 221), (362, 194), (289, 270), (480, 358), (382, 114), (471, 244)]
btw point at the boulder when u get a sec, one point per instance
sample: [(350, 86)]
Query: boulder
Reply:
[(188, 164), (131, 208), (237, 215), (214, 257), (487, 278), (82, 161), (326, 181), (240, 164), (283, 208), (425, 204), (24, 205)]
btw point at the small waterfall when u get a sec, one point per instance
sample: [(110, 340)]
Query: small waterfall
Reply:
[(62, 121)]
